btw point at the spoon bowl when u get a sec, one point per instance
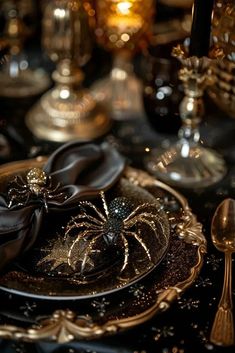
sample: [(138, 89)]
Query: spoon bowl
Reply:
[(223, 237), (223, 226)]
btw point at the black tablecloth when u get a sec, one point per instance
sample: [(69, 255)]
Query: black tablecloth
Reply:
[(186, 326)]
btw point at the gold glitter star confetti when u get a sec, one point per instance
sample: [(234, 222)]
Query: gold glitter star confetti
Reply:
[(57, 254)]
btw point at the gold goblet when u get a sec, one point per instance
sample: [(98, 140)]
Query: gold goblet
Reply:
[(122, 27), (16, 77), (67, 111)]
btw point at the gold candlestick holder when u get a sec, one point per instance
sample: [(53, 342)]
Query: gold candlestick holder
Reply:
[(67, 111), (188, 163)]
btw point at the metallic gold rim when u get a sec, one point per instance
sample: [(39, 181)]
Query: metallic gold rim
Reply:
[(64, 325)]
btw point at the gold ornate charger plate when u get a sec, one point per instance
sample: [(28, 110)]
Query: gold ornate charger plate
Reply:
[(30, 318), (44, 272)]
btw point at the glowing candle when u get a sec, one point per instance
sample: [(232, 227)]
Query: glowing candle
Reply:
[(124, 18)]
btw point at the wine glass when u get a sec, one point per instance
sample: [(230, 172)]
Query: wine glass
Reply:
[(123, 27), (16, 77), (162, 93)]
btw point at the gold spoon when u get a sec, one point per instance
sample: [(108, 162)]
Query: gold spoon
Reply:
[(223, 237)]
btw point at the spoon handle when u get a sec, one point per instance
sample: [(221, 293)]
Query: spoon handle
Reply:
[(222, 332)]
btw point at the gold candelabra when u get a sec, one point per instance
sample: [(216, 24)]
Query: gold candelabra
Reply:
[(67, 111)]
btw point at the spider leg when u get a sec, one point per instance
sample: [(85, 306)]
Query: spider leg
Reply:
[(140, 207), (20, 181), (55, 188), (21, 198), (82, 235), (27, 197), (88, 250), (126, 252), (104, 203), (17, 191), (138, 238), (89, 204), (49, 182), (74, 225), (147, 218), (45, 201), (155, 218), (50, 195), (143, 220), (150, 223), (89, 217)]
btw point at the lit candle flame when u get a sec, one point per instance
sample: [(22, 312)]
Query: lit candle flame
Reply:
[(124, 7)]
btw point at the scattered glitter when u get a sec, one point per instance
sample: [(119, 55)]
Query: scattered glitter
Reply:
[(121, 304), (164, 332), (194, 325), (19, 347), (214, 262), (28, 308), (209, 346), (188, 304), (222, 192), (137, 290), (100, 306), (211, 303), (202, 334), (169, 258), (203, 282), (170, 203)]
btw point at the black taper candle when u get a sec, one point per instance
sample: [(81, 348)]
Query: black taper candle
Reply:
[(201, 28)]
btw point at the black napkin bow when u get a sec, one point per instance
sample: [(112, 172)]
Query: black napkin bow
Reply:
[(79, 171)]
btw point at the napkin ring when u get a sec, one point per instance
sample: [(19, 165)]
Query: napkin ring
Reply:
[(37, 185)]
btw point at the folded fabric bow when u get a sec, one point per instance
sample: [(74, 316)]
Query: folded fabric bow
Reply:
[(78, 171)]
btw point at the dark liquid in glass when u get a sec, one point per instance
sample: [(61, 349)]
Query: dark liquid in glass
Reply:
[(162, 95)]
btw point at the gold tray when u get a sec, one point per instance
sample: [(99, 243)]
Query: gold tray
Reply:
[(127, 307)]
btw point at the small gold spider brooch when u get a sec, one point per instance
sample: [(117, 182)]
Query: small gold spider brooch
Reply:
[(36, 186)]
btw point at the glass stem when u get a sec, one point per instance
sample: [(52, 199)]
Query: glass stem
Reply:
[(191, 110), (122, 67)]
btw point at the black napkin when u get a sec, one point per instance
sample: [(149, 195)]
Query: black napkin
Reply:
[(82, 170)]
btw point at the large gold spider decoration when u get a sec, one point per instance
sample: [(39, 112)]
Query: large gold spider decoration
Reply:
[(37, 185), (116, 225)]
